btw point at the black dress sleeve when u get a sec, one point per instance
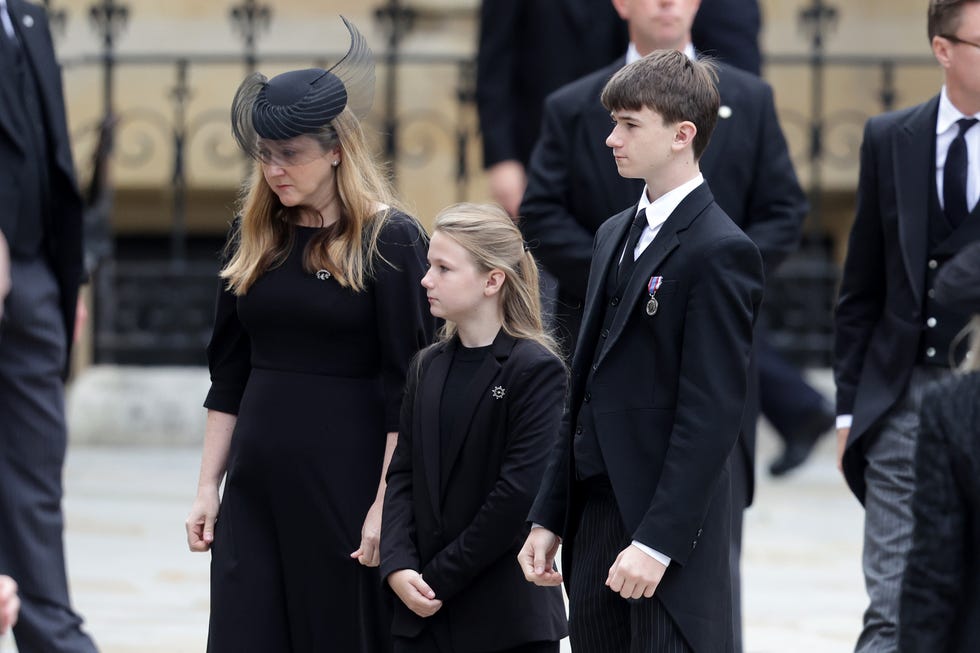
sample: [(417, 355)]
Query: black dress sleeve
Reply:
[(404, 323), (229, 350)]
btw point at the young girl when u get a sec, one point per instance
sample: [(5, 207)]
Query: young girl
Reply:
[(481, 412)]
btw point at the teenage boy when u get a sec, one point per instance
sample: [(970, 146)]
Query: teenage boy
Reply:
[(638, 488)]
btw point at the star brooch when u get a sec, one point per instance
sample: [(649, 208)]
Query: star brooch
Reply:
[(498, 392)]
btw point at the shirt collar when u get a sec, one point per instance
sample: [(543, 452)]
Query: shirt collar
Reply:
[(660, 209), (632, 54), (948, 113)]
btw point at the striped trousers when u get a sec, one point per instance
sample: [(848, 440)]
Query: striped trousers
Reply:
[(599, 620)]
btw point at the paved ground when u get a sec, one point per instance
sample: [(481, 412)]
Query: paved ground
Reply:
[(140, 590)]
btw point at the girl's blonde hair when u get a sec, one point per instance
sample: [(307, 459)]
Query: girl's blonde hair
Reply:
[(347, 248), (495, 243)]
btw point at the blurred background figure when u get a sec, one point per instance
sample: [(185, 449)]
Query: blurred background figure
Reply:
[(729, 30), (527, 49), (42, 221), (940, 605)]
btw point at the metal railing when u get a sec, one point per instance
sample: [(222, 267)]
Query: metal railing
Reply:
[(150, 310)]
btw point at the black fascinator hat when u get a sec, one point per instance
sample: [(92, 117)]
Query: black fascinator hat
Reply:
[(303, 102)]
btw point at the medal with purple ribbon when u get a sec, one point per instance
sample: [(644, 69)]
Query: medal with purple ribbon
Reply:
[(652, 286)]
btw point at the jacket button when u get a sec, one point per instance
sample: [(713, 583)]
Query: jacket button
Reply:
[(604, 333), (578, 430), (588, 397), (614, 301), (933, 264), (931, 322), (595, 366), (931, 352)]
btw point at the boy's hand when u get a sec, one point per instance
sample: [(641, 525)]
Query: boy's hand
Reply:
[(414, 592), (635, 574)]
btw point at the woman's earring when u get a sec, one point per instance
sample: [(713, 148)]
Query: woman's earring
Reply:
[(336, 163)]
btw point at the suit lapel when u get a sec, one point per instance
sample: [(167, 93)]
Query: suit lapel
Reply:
[(597, 125), (47, 75), (653, 256), (730, 99), (594, 302), (429, 404), (914, 168), (477, 390)]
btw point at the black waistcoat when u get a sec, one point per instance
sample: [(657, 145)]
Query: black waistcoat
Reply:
[(942, 323), (588, 456)]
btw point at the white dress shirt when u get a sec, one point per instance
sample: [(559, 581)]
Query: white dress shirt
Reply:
[(946, 130)]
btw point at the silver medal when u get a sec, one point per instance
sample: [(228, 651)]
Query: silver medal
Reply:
[(652, 306)]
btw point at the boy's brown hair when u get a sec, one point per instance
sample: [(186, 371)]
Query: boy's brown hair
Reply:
[(674, 86)]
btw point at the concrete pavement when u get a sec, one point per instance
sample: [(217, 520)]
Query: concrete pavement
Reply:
[(140, 590)]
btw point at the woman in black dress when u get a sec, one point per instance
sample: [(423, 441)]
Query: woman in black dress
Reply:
[(319, 314)]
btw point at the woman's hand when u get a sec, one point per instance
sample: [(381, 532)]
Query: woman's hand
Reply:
[(200, 523), (368, 554), (414, 592)]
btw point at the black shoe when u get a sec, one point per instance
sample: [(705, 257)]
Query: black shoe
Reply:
[(800, 445)]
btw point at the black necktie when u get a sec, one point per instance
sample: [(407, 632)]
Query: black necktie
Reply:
[(626, 265), (955, 174)]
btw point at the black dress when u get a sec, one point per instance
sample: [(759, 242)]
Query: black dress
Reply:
[(315, 373)]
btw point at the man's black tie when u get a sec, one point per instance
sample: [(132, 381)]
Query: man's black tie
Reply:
[(626, 265), (955, 174)]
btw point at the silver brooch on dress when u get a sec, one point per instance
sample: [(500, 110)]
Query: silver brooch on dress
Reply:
[(323, 275), (498, 392)]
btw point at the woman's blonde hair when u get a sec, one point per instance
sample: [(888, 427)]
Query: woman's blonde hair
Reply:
[(347, 248), (495, 243)]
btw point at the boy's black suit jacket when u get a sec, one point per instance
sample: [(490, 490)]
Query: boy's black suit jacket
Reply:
[(462, 527), (667, 394), (574, 186)]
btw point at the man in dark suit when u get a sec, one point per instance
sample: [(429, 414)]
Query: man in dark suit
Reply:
[(527, 49), (638, 487), (573, 187), (917, 206), (41, 217)]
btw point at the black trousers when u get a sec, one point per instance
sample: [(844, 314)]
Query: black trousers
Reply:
[(599, 620)]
